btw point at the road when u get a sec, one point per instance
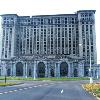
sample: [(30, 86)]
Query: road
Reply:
[(46, 90)]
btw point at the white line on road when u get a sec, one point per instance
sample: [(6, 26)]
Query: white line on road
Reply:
[(15, 90), (35, 86), (10, 91), (30, 87), (5, 92), (62, 91), (25, 88), (20, 89)]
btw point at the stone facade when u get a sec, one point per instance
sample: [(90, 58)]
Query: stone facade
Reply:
[(48, 45), (43, 67)]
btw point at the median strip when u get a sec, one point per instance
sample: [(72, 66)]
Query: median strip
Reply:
[(93, 88)]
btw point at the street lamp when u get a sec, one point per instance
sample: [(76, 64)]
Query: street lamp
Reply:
[(90, 70), (97, 74), (91, 79), (34, 75)]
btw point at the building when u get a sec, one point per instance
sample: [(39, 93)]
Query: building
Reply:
[(48, 45)]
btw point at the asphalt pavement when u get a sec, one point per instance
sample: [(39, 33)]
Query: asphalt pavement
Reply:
[(46, 90)]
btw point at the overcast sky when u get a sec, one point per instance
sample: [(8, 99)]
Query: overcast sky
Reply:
[(45, 7)]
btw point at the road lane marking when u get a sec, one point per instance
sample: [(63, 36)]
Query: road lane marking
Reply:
[(15, 90), (20, 89), (10, 91), (35, 86), (5, 92), (30, 87), (62, 91), (25, 88)]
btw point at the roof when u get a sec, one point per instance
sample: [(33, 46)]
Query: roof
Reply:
[(86, 11), (55, 15), (9, 15)]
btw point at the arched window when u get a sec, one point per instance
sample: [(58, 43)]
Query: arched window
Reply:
[(63, 69), (19, 69), (41, 69)]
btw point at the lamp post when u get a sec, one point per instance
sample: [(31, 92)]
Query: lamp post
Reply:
[(90, 70), (97, 74), (34, 75)]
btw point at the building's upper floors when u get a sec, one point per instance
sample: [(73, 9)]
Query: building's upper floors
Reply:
[(82, 15), (49, 34)]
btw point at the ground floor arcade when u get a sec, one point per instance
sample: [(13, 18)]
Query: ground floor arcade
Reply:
[(46, 66), (43, 68)]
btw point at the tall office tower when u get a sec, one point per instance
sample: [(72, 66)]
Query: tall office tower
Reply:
[(60, 45)]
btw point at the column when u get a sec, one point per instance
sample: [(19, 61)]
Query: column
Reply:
[(4, 69), (69, 70), (46, 71), (35, 73), (58, 69), (80, 69), (55, 69), (24, 73), (93, 68), (14, 69), (32, 69), (11, 73), (49, 75), (26, 70), (83, 69)]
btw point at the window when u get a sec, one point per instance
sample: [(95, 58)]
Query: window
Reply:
[(69, 31), (86, 27), (90, 14)]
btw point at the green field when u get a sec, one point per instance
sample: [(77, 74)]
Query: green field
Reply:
[(7, 83), (52, 78)]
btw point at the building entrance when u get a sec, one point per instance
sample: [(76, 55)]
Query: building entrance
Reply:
[(63, 69), (19, 69), (41, 69)]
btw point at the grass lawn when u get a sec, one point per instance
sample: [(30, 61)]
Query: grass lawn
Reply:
[(52, 78), (93, 88), (63, 78), (7, 83)]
